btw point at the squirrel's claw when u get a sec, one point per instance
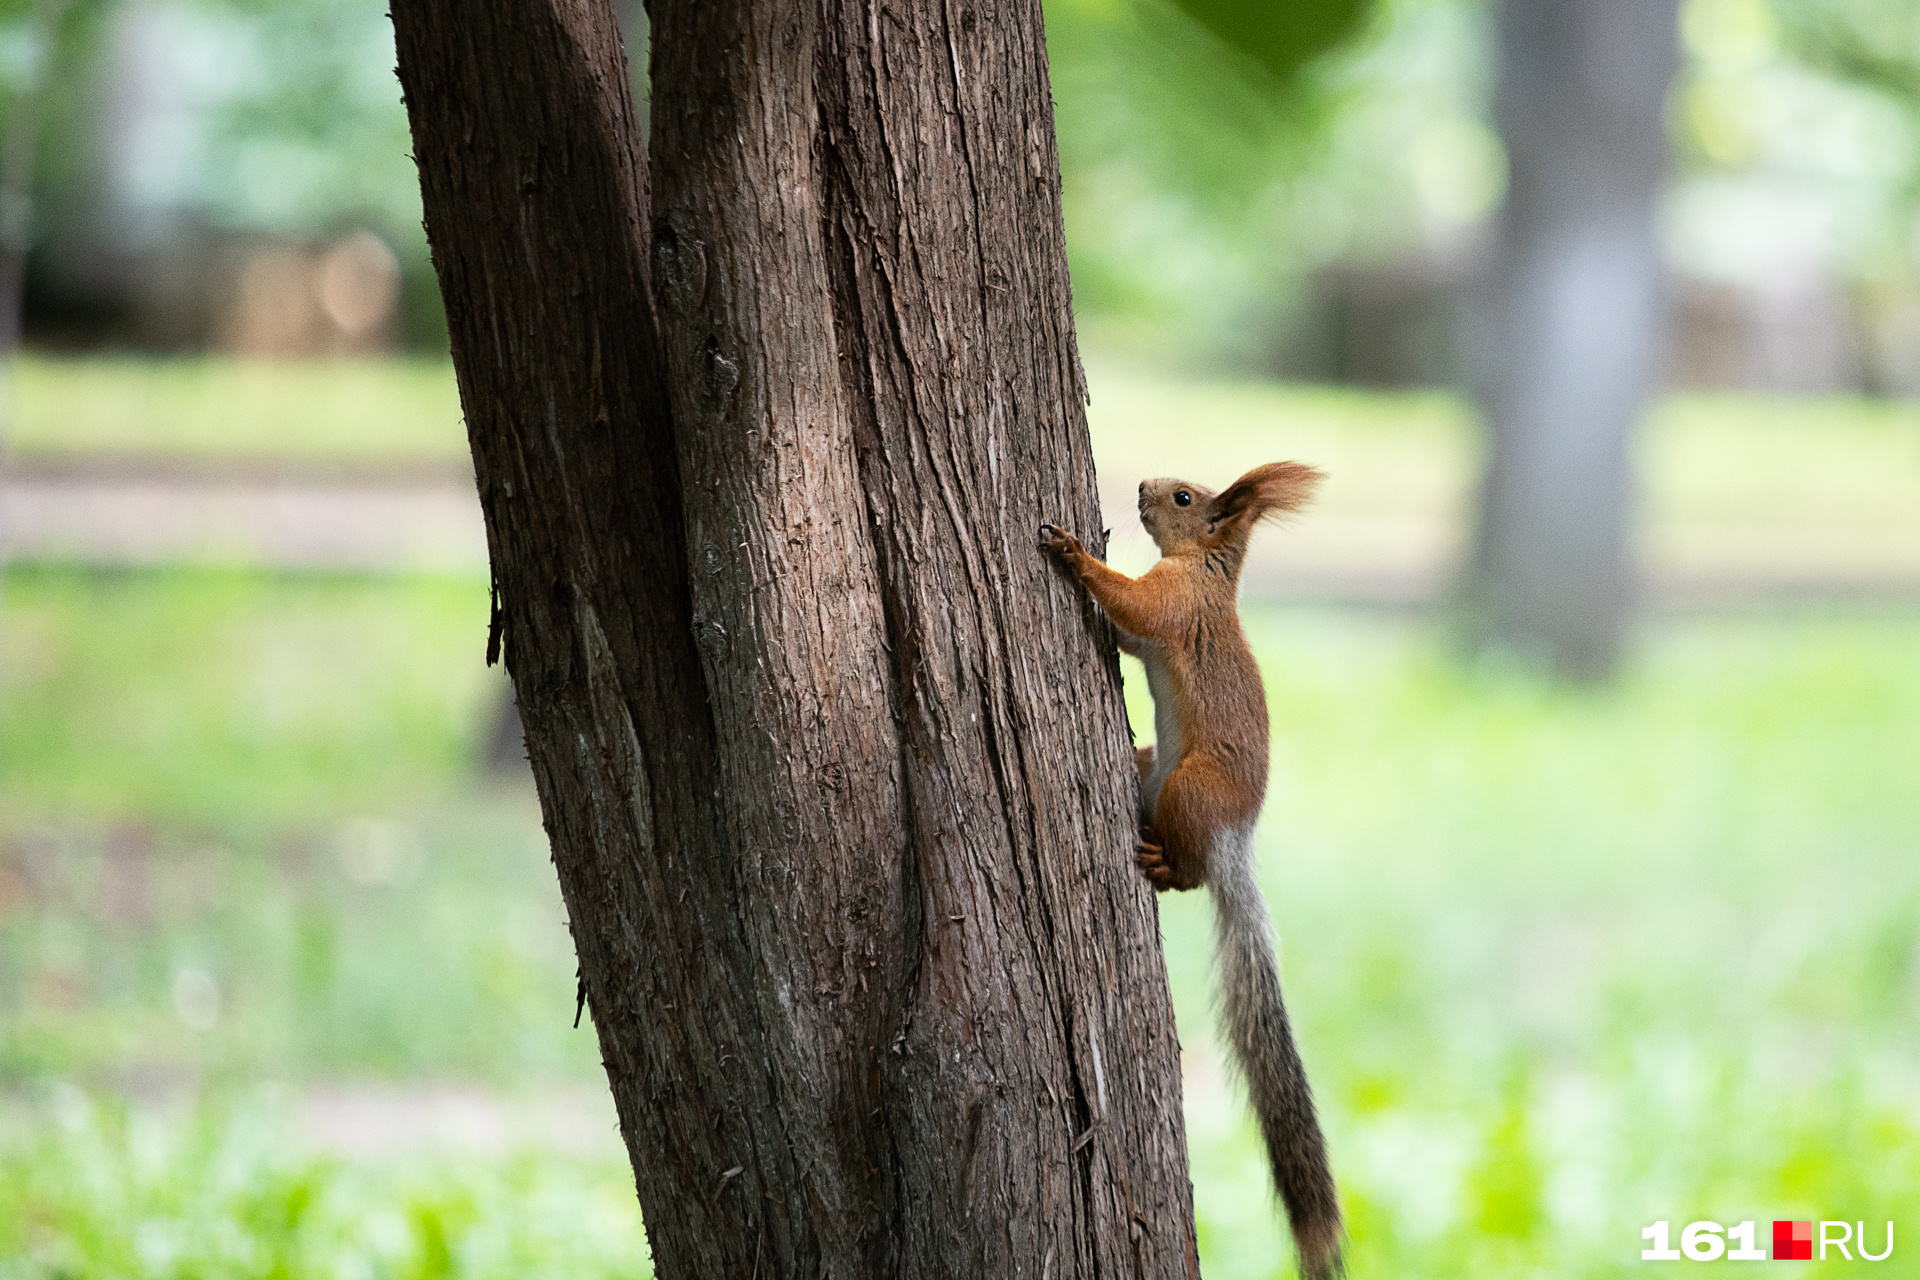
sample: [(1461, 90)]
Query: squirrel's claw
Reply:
[(1055, 539), (1153, 863)]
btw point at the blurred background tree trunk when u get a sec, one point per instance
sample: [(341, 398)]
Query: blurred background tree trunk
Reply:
[(1566, 360), (836, 775), (17, 141)]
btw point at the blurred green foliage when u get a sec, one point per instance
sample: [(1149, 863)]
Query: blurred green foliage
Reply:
[(1875, 43), (1280, 37), (1203, 190), (158, 126), (311, 138), (1218, 155), (1206, 193), (310, 131), (1797, 130)]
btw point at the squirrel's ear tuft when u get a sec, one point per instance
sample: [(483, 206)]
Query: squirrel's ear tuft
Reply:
[(1271, 490)]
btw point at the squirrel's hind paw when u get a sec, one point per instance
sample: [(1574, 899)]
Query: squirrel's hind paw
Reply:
[(1152, 860)]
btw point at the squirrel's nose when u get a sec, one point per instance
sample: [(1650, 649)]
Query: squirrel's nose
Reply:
[(1143, 488)]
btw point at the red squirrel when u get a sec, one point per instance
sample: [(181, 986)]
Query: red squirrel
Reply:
[(1202, 784)]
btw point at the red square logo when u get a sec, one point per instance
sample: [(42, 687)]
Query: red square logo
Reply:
[(1793, 1242)]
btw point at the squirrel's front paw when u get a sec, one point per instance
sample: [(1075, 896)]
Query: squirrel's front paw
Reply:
[(1059, 541)]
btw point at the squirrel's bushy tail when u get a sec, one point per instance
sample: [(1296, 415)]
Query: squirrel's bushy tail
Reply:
[(1263, 1048)]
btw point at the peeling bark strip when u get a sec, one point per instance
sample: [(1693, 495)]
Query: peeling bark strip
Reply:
[(835, 773)]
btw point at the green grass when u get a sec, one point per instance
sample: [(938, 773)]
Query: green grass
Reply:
[(425, 946), (1562, 964), (271, 780), (234, 696), (342, 409), (92, 1188)]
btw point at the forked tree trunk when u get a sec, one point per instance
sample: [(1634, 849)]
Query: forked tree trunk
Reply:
[(833, 761), (1575, 323)]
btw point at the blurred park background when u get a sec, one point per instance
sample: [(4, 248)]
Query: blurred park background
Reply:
[(1589, 919)]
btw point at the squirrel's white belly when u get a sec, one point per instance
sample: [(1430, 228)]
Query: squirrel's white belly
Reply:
[(1166, 730)]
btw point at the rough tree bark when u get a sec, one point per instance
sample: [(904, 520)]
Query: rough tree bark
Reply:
[(833, 762), (1575, 320)]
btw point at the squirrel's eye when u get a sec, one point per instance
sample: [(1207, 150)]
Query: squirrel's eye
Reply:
[(1183, 499)]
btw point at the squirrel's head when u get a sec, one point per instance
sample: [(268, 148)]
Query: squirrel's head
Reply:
[(1174, 512), (1182, 516)]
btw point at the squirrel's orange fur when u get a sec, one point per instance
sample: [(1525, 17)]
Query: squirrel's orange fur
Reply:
[(1202, 785)]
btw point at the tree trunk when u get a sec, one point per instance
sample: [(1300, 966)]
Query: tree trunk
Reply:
[(1575, 323), (833, 761)]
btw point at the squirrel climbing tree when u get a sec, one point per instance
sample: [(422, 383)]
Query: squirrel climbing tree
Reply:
[(834, 766)]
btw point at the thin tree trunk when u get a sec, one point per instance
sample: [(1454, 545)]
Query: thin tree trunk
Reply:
[(833, 762), (1576, 321)]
